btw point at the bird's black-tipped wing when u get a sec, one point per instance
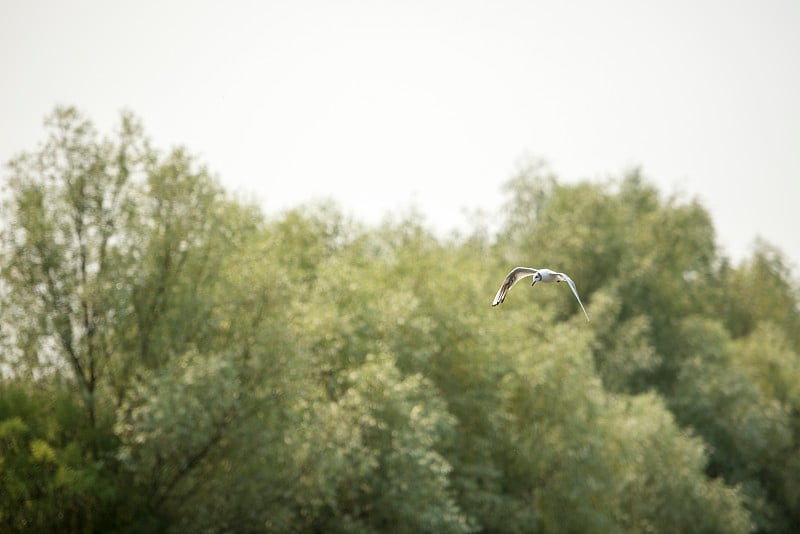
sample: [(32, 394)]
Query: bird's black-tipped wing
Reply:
[(571, 284), (516, 274)]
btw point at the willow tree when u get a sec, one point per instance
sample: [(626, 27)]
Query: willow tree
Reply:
[(65, 210), (111, 257)]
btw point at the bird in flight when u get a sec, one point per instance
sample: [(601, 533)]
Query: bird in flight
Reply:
[(539, 275)]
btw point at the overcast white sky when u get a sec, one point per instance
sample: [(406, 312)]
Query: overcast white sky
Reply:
[(382, 105)]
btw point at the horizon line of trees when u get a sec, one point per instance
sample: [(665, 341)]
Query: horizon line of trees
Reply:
[(175, 360)]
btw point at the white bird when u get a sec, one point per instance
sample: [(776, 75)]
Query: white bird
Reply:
[(539, 275)]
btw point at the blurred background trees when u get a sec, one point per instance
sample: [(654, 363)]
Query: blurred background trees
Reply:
[(175, 360)]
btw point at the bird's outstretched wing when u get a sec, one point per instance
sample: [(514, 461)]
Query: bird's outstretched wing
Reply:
[(569, 281), (516, 274)]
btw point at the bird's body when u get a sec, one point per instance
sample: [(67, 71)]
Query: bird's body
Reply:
[(539, 275)]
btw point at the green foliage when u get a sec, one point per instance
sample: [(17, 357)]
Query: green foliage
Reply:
[(742, 398), (48, 482), (593, 461), (175, 361), (765, 292), (388, 474)]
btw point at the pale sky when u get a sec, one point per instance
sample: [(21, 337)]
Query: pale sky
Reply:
[(385, 105)]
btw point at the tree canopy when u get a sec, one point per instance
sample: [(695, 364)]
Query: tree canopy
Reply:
[(173, 359)]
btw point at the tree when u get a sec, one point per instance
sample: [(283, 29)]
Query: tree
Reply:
[(47, 484), (176, 360), (63, 246), (589, 461), (765, 291), (112, 260)]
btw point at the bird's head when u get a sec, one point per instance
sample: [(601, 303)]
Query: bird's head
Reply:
[(536, 278)]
